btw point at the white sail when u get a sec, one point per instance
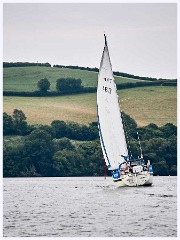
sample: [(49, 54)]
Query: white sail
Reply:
[(110, 125)]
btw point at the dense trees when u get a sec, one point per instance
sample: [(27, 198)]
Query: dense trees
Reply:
[(74, 130), (63, 85), (19, 122), (159, 144), (15, 124), (71, 149), (38, 147), (83, 160), (60, 128), (43, 85), (81, 132), (68, 85), (8, 126)]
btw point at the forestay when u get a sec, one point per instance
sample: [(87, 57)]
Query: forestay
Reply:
[(110, 125)]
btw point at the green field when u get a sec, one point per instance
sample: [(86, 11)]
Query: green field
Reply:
[(26, 78), (151, 104), (146, 105)]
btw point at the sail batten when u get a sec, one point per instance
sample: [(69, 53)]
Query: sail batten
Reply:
[(110, 125)]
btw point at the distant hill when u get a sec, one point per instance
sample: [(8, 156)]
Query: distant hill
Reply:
[(152, 104), (25, 78), (95, 69)]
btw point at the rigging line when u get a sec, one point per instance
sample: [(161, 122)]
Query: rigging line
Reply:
[(140, 145)]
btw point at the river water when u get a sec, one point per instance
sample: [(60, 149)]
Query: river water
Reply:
[(88, 207)]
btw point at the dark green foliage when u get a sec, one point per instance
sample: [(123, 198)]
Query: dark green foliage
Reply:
[(130, 125), (152, 126), (8, 126), (150, 131), (46, 128), (74, 130), (43, 85), (168, 130), (161, 168), (63, 143), (173, 170), (50, 93), (81, 132), (15, 124), (162, 152), (133, 148), (92, 157), (38, 148), (24, 64), (82, 161), (147, 133), (159, 144), (48, 150), (68, 85), (60, 128), (19, 122), (15, 164), (60, 164)]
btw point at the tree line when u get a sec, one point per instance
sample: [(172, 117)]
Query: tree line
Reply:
[(17, 125), (74, 86), (71, 85), (71, 149), (24, 64), (48, 150), (63, 85), (95, 69), (116, 73)]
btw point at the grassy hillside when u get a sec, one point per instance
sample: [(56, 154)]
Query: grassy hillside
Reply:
[(26, 78), (146, 105), (151, 104)]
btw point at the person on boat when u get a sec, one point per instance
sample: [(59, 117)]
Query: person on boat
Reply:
[(148, 164), (126, 169)]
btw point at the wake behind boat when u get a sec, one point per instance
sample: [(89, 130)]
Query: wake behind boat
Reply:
[(126, 171)]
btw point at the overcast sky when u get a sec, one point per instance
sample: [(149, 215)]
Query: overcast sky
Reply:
[(142, 37)]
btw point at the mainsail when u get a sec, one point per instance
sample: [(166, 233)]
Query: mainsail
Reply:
[(110, 124)]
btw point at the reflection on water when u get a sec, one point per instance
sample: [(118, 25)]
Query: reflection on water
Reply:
[(88, 207)]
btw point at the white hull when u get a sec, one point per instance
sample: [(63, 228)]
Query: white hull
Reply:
[(144, 178)]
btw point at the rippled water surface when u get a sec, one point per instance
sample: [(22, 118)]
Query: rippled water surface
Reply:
[(88, 207)]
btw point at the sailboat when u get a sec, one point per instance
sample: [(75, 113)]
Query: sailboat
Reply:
[(125, 170)]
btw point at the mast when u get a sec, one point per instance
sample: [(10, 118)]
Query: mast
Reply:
[(105, 39)]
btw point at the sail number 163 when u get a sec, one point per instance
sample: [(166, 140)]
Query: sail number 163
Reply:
[(107, 89)]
